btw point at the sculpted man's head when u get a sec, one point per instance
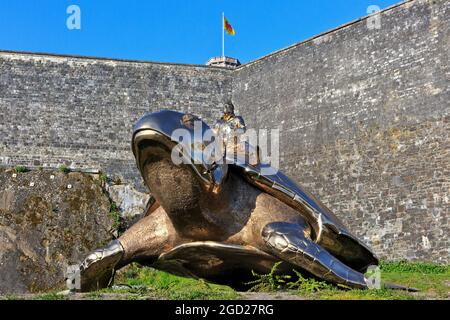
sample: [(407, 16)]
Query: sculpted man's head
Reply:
[(228, 110)]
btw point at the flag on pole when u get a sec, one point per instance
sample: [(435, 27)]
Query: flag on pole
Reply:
[(227, 26)]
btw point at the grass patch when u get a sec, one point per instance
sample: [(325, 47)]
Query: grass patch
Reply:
[(269, 282), (381, 294), (433, 281), (10, 297), (434, 286), (431, 286), (147, 283), (151, 282), (416, 267), (94, 296), (308, 285), (50, 296), (272, 282)]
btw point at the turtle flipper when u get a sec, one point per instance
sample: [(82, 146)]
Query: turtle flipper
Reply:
[(288, 242), (98, 268)]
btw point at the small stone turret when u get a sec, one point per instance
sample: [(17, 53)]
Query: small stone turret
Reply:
[(225, 62)]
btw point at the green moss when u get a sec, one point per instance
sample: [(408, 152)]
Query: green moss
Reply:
[(115, 216), (64, 169), (103, 177), (21, 169)]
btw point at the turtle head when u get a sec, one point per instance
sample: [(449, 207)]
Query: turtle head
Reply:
[(176, 156)]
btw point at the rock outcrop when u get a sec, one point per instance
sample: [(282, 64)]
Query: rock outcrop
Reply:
[(48, 221), (130, 203)]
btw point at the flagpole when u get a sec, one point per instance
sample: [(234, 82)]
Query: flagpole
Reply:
[(223, 35)]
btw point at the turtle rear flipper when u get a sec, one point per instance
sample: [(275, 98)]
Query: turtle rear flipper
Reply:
[(288, 242)]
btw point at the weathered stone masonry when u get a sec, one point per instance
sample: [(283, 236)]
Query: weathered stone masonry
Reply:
[(80, 111), (363, 113)]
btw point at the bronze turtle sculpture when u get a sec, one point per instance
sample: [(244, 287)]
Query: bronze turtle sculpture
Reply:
[(220, 222)]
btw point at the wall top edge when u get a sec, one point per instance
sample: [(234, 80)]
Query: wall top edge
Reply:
[(106, 59), (323, 34)]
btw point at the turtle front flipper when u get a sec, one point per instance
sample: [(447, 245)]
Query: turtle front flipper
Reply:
[(289, 242), (98, 268)]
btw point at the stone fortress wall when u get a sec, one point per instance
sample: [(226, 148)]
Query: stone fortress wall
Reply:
[(80, 111), (363, 115)]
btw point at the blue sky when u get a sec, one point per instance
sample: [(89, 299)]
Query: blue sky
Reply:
[(182, 31)]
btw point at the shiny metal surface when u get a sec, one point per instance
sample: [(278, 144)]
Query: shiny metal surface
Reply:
[(219, 222), (159, 127), (98, 267), (329, 231), (289, 243)]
